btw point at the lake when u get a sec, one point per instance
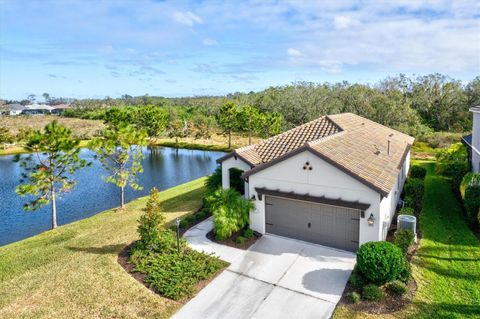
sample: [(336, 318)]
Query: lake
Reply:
[(163, 168)]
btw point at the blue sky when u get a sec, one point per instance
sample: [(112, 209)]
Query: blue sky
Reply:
[(178, 48)]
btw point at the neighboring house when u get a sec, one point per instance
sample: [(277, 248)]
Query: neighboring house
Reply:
[(334, 181), (59, 108), (472, 141), (14, 109), (37, 109)]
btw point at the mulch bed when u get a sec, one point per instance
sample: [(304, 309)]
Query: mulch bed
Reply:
[(123, 261), (231, 241), (389, 304)]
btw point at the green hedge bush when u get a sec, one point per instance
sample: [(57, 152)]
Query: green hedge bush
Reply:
[(248, 233), (240, 240), (230, 212), (380, 262), (356, 279), (396, 287), (417, 171), (406, 210), (353, 297), (453, 163), (406, 272), (372, 292), (414, 188), (403, 239)]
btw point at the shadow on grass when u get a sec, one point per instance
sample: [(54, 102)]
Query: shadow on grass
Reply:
[(104, 250), (447, 258), (179, 203), (445, 310)]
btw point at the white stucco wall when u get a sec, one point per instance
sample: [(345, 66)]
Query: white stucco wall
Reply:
[(476, 142), (324, 180), (233, 163)]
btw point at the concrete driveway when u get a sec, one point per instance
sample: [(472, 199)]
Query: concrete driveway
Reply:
[(276, 278)]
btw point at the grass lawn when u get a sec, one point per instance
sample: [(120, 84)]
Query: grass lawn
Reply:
[(447, 263), (72, 272)]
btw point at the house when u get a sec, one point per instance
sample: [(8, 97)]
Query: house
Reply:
[(334, 181), (60, 108), (14, 109), (472, 141)]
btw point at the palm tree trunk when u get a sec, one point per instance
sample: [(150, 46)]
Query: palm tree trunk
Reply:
[(54, 208)]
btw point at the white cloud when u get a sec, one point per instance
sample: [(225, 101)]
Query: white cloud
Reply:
[(209, 42), (294, 52), (344, 22), (187, 18)]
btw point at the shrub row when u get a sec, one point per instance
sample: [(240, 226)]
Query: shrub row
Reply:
[(470, 193)]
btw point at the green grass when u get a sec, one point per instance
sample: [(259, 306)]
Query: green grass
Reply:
[(72, 272), (446, 266)]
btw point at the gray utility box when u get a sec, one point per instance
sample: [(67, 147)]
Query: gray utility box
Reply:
[(407, 222)]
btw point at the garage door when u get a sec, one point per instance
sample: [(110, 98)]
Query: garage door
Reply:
[(327, 225)]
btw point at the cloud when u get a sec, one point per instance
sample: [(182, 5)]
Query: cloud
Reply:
[(344, 22), (209, 42), (106, 49), (294, 52), (52, 76), (187, 18), (115, 74), (151, 70), (170, 81), (203, 68)]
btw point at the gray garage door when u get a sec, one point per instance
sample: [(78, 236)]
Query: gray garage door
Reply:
[(327, 225)]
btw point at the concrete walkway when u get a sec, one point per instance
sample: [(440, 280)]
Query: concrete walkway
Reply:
[(276, 278)]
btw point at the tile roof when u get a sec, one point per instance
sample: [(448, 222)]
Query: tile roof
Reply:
[(366, 150)]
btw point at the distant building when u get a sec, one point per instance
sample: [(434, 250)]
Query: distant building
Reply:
[(60, 108), (472, 141), (14, 109)]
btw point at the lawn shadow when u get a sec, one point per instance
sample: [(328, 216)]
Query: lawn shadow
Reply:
[(445, 310), (104, 250), (180, 202)]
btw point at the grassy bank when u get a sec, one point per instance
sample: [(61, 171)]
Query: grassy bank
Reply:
[(446, 266), (72, 272)]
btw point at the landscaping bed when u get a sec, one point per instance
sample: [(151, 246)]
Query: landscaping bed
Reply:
[(234, 241)]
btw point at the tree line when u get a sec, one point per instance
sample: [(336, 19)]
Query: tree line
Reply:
[(415, 105)]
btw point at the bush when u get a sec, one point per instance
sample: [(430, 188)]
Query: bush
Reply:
[(409, 202), (403, 239), (372, 292), (471, 202), (248, 233), (200, 215), (380, 262), (356, 279), (453, 163), (240, 240), (406, 211), (405, 273), (214, 181), (414, 188), (396, 287), (174, 275), (183, 224), (190, 219), (230, 212), (152, 222), (353, 297), (417, 171)]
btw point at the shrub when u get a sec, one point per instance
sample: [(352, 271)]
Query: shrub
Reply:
[(472, 202), (396, 287), (409, 202), (230, 212), (190, 219), (240, 240), (353, 297), (403, 239), (152, 222), (406, 211), (405, 273), (214, 181), (417, 171), (414, 188), (356, 279), (453, 163), (380, 262), (183, 224), (200, 215), (469, 179), (171, 274), (372, 292), (248, 233), (5, 135)]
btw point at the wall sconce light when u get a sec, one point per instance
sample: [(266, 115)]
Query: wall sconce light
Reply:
[(371, 220), (253, 197)]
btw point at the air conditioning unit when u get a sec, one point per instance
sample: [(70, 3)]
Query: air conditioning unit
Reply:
[(407, 222)]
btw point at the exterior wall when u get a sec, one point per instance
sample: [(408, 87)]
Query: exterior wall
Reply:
[(476, 141), (233, 163), (324, 179)]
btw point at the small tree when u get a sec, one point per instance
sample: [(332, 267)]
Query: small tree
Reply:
[(227, 119), (153, 119), (120, 152), (270, 124), (5, 135), (49, 169), (152, 222), (249, 121)]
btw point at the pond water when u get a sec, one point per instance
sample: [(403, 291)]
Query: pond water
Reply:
[(163, 168)]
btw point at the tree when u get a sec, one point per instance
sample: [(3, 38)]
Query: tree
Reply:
[(31, 98), (120, 152), (202, 126), (249, 121), (152, 119), (152, 222), (227, 119), (46, 97), (270, 124), (5, 135), (50, 167)]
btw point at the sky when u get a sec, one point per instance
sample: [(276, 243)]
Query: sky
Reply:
[(94, 49)]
